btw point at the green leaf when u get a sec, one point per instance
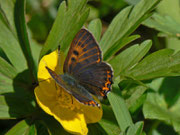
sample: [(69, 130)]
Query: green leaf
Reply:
[(165, 24), (133, 92), (6, 84), (15, 105), (137, 93), (95, 27), (137, 104), (23, 36), (112, 34), (6, 69), (156, 108), (11, 48), (175, 109), (158, 64), (41, 128), (132, 2), (125, 23), (168, 97), (111, 51), (95, 129), (52, 125), (110, 127), (68, 22), (7, 13), (108, 121), (129, 58), (135, 129), (36, 48), (20, 128), (120, 109), (32, 130)]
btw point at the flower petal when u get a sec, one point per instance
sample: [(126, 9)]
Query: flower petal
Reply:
[(52, 61), (92, 114), (72, 121)]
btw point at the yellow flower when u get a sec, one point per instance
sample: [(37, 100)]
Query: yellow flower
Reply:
[(55, 101)]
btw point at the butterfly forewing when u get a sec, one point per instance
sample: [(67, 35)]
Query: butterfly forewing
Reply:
[(84, 51)]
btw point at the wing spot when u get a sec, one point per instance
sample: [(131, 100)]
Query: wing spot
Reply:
[(107, 85), (76, 52), (73, 59)]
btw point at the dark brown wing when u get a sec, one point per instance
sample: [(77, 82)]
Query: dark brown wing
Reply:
[(97, 79), (84, 51)]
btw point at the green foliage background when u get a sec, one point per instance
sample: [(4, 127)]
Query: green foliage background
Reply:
[(139, 38)]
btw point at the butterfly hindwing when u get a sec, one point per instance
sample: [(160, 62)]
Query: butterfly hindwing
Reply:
[(97, 79)]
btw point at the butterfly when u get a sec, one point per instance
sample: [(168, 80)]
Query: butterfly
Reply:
[(85, 74)]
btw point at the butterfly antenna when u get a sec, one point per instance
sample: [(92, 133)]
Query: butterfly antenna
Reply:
[(59, 47)]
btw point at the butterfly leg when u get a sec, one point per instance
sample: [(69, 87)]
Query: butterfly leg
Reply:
[(72, 99), (55, 85), (60, 91)]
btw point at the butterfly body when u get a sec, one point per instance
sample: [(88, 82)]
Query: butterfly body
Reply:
[(85, 74), (71, 85)]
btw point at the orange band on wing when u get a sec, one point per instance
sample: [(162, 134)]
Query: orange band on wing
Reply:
[(107, 85)]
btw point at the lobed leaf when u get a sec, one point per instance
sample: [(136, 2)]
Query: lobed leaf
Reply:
[(112, 51), (22, 128), (6, 69), (15, 105), (108, 121), (6, 84), (129, 58), (11, 48), (157, 64), (68, 22), (23, 37), (164, 24), (120, 109), (125, 23), (7, 14), (95, 27), (133, 92), (156, 108), (135, 129)]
